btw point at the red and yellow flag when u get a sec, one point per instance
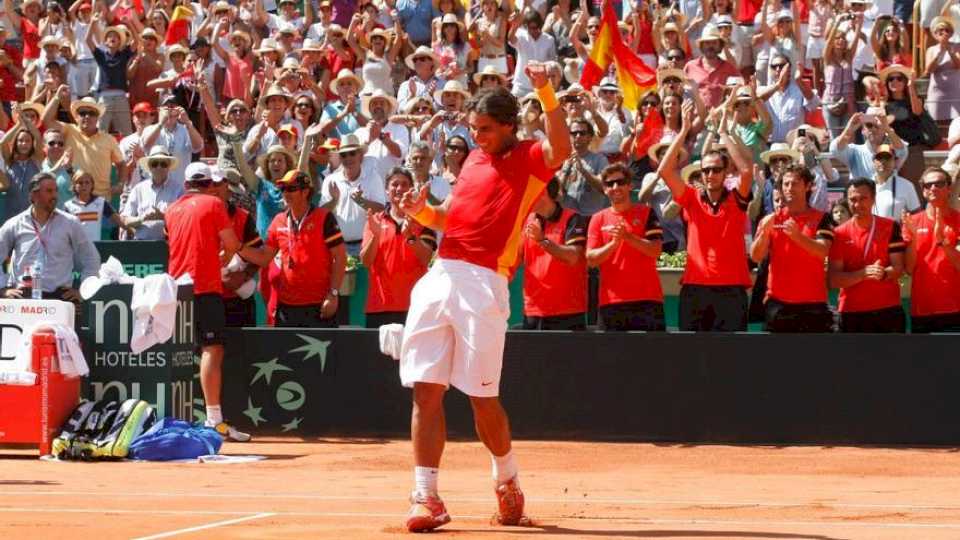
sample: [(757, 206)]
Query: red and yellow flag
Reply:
[(634, 77), (179, 28)]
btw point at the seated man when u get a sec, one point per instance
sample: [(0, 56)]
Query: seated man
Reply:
[(46, 244)]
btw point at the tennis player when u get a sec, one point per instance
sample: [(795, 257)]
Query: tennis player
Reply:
[(457, 322)]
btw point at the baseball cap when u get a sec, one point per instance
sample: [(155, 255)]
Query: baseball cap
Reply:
[(289, 129), (198, 172), (143, 107), (294, 177), (884, 149), (169, 100), (198, 43)]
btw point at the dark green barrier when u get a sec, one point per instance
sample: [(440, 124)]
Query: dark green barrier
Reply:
[(140, 258)]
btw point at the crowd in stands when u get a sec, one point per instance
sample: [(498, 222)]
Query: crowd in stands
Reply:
[(782, 147)]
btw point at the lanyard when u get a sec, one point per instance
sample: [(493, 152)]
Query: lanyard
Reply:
[(293, 227), (36, 229)]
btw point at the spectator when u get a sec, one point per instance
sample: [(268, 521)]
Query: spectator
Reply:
[(943, 68), (231, 128), (839, 94), (788, 100), (454, 155), (263, 136), (200, 233), (619, 120), (420, 160), (57, 163), (582, 188), (83, 72), (379, 60), (89, 209), (866, 262), (655, 193), (532, 45), (342, 117), (798, 240), (48, 243), (710, 72), (175, 132), (424, 82), (238, 61), (93, 150), (889, 41), (312, 257), (777, 159), (396, 252), (490, 29), (554, 266), (624, 242), (713, 296), (146, 66), (840, 212), (894, 194), (806, 140), (489, 78), (876, 131), (932, 259), (751, 119), (904, 106), (112, 60), (387, 142), (148, 200), (578, 103), (352, 190), (131, 147), (415, 17), (22, 152), (452, 49)]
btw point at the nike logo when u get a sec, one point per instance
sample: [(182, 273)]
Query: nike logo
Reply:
[(486, 383)]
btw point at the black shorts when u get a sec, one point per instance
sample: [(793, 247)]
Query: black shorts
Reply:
[(626, 316), (575, 321), (890, 320), (302, 317), (798, 318), (710, 308), (211, 318), (376, 320), (240, 312), (945, 322)]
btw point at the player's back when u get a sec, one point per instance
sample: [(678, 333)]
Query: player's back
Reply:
[(194, 223)]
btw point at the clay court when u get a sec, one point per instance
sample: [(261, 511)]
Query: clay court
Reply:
[(356, 489)]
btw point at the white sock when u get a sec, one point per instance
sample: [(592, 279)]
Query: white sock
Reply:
[(504, 468), (214, 414), (425, 479)]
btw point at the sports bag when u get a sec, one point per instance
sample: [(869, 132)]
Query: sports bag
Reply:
[(98, 430), (175, 439)]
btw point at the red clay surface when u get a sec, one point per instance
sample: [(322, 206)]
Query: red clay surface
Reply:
[(357, 488)]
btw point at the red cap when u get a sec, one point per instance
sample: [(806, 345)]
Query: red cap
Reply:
[(85, 5), (289, 128), (144, 107)]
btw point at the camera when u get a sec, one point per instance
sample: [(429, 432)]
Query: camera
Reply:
[(802, 132)]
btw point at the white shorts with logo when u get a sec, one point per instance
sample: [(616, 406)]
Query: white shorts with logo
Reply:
[(455, 328)]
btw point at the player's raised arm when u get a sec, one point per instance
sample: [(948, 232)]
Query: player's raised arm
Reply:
[(557, 147)]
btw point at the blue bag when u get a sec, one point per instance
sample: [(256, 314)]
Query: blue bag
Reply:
[(171, 439)]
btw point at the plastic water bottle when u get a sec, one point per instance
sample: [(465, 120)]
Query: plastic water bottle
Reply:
[(37, 292)]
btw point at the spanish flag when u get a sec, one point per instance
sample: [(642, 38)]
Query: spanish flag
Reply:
[(634, 77), (179, 28)]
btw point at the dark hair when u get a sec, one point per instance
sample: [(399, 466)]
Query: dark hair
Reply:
[(616, 168), (465, 144), (584, 121), (402, 171), (842, 203), (799, 170), (497, 103), (553, 188), (864, 182), (940, 170), (532, 16), (724, 157), (38, 179)]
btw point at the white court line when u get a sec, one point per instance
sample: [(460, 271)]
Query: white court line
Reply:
[(544, 520), (213, 525), (571, 500)]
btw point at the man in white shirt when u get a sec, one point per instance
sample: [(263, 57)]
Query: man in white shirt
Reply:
[(352, 190), (387, 142), (175, 132), (532, 45), (619, 120), (787, 101), (895, 194)]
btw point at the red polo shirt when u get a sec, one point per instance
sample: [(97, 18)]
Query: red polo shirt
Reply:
[(246, 231), (850, 243), (552, 287), (796, 276), (628, 275), (716, 250), (491, 201), (31, 39), (304, 255), (396, 268), (935, 283), (194, 223), (710, 82)]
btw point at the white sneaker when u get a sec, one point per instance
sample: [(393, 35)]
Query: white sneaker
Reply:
[(228, 432)]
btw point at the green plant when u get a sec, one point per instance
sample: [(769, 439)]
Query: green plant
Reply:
[(672, 260)]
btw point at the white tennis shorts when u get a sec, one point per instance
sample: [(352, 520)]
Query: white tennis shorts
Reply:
[(456, 328)]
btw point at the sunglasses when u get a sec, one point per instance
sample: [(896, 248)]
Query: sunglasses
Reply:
[(237, 110), (649, 104), (571, 99), (674, 58), (54, 143), (939, 184), (423, 59), (159, 165), (349, 153), (774, 161), (616, 182), (896, 78), (777, 67), (291, 189), (580, 133), (712, 170), (488, 78), (201, 183), (671, 80), (86, 113), (456, 148), (883, 157)]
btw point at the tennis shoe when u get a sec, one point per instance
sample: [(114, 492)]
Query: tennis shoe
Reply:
[(510, 504), (426, 513), (228, 432)]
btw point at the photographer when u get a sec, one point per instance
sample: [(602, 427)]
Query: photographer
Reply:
[(176, 133)]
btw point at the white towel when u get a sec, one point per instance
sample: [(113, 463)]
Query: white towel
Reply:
[(154, 306), (391, 339), (70, 359)]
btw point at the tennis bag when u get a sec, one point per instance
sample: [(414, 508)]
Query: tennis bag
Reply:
[(101, 430), (175, 439)]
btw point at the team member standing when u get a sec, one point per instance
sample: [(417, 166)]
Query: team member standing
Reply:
[(396, 252), (866, 262), (798, 239), (554, 266), (313, 258), (714, 292), (624, 241), (932, 258), (198, 228), (239, 311), (457, 322)]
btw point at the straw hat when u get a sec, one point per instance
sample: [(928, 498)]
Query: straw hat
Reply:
[(784, 14), (335, 29), (810, 132), (573, 90), (311, 45), (380, 32), (940, 19), (664, 144), (451, 87), (120, 30), (670, 27), (85, 103), (221, 6), (422, 51), (290, 63), (450, 18), (242, 35), (689, 170), (268, 45), (31, 106), (377, 94), (780, 150), (275, 90), (51, 40), (176, 49), (351, 142), (158, 153), (146, 33), (277, 148), (664, 74), (489, 71), (710, 33), (743, 94), (413, 102), (609, 83), (896, 68), (345, 75)]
